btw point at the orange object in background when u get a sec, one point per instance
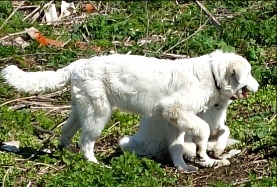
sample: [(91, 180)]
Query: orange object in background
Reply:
[(46, 41), (90, 8)]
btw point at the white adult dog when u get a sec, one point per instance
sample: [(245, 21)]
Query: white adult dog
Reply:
[(163, 89)]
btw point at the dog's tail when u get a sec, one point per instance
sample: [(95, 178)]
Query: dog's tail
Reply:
[(41, 81)]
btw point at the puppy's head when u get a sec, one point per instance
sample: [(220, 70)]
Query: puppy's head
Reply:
[(232, 75)]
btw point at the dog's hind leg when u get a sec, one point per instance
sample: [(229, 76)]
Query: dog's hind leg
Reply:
[(94, 113), (71, 126)]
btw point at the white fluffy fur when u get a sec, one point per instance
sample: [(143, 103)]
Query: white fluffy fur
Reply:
[(152, 142), (175, 91)]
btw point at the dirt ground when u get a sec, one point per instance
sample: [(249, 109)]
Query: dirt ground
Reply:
[(245, 163)]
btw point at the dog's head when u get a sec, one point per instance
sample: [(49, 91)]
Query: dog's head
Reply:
[(232, 75)]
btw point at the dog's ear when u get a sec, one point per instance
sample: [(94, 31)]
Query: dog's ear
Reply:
[(219, 72), (236, 70), (239, 71)]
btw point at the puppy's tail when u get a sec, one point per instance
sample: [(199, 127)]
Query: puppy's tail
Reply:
[(128, 143), (231, 142), (41, 81)]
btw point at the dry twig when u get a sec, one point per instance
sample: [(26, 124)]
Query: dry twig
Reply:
[(5, 176), (29, 15), (13, 34), (19, 99), (47, 165), (244, 180)]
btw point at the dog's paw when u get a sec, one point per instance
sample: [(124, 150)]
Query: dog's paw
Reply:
[(207, 163), (188, 169), (213, 163)]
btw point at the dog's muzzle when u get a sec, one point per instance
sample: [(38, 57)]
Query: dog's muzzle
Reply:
[(241, 94)]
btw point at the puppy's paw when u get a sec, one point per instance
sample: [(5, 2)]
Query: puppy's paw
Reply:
[(223, 162), (190, 156), (216, 152)]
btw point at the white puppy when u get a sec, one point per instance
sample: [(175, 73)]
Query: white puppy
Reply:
[(175, 91), (156, 137)]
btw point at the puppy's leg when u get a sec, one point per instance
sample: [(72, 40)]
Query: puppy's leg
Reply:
[(129, 143), (189, 147), (220, 141), (69, 129), (150, 139)]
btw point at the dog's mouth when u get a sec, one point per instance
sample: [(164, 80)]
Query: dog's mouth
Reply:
[(241, 94)]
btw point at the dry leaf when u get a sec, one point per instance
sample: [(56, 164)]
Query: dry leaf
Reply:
[(81, 45), (90, 8), (96, 49), (32, 32), (21, 42), (46, 41), (41, 39)]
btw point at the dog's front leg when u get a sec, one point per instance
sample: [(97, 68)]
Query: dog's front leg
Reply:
[(194, 125), (176, 149)]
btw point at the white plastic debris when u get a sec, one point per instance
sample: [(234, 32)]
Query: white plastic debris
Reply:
[(46, 151), (12, 146), (64, 9), (51, 14)]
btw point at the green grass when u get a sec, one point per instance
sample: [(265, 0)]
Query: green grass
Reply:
[(248, 28)]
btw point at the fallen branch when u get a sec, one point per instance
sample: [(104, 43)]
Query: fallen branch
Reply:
[(49, 106), (45, 97), (208, 13), (19, 99)]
